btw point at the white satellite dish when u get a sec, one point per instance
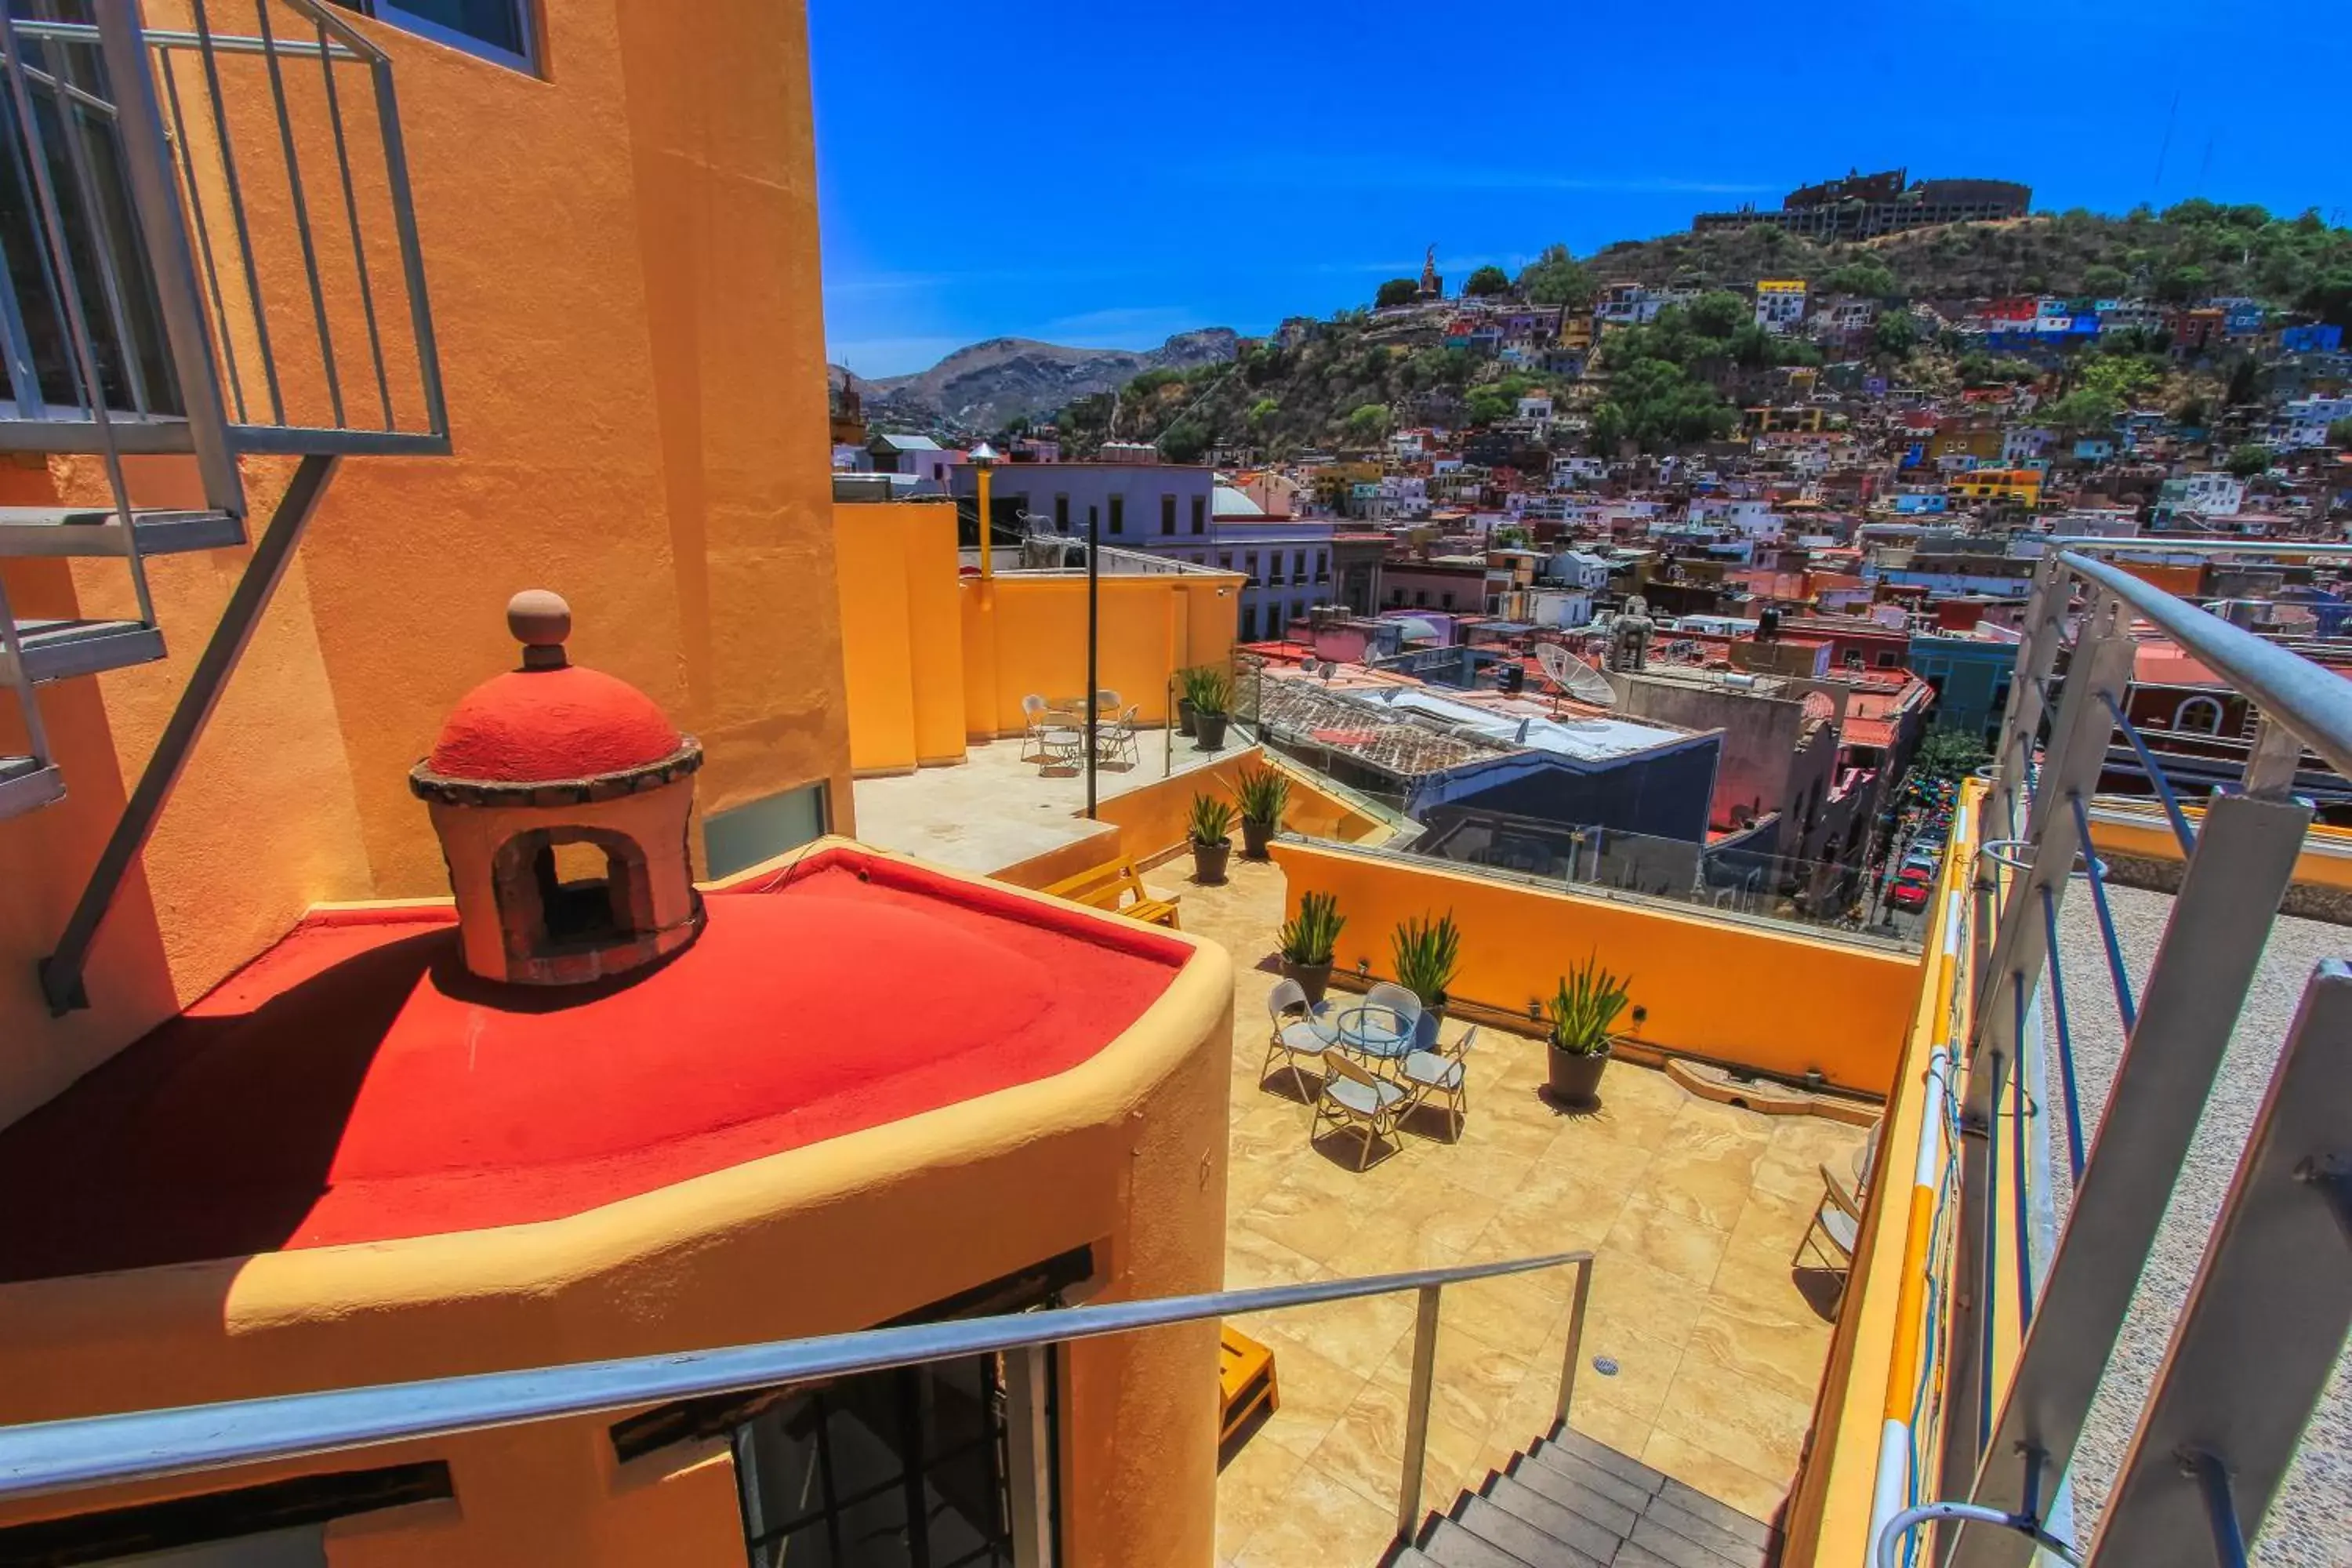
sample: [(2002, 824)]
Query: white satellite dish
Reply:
[(1575, 677)]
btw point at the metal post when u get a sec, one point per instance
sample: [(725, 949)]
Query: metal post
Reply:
[(2244, 860), (2271, 763), (139, 117), (1416, 1410), (2265, 1319), (61, 972), (1094, 649), (1575, 1357), (1029, 1455), (2036, 659), (2010, 965), (987, 561)]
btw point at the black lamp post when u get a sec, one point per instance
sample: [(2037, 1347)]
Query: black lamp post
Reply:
[(1093, 703)]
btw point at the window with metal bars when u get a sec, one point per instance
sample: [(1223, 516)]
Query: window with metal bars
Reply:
[(905, 1469)]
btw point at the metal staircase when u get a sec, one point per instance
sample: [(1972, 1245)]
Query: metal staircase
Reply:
[(1567, 1502), (154, 184)]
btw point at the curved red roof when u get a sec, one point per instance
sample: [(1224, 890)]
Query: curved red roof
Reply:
[(545, 726), (355, 1084)]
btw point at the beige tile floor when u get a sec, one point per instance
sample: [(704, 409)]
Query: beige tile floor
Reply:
[(1691, 1209)]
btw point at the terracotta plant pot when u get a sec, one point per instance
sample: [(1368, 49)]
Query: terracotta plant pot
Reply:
[(1255, 836), (1183, 715), (1575, 1078), (1313, 978), (1208, 731), (1208, 860)]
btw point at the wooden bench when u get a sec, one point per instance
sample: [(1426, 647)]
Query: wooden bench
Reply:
[(1104, 886), (1244, 1382)]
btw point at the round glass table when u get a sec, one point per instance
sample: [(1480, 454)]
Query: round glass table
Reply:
[(1377, 1032)]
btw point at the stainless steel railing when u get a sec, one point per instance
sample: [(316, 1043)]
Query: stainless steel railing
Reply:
[(66, 1455), (2268, 1315), (243, 210)]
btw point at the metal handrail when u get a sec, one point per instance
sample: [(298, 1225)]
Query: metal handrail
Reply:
[(66, 1455), (2315, 705)]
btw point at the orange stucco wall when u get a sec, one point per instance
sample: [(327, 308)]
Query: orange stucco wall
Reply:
[(1780, 1003), (626, 301), (1126, 1152), (901, 634), (1025, 635)]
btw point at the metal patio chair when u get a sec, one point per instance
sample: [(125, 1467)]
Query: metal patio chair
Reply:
[(1353, 1097), (1440, 1073), (1297, 1033)]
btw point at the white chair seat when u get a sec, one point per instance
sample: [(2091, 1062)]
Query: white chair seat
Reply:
[(1364, 1098), (1432, 1071), (1839, 1227), (1307, 1038)]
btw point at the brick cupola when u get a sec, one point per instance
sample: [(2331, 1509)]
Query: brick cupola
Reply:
[(562, 796)]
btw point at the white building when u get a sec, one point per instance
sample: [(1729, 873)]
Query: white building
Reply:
[(1565, 608), (2214, 495), (1780, 304), (2303, 421)]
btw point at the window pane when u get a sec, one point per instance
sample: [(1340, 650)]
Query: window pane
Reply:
[(498, 22)]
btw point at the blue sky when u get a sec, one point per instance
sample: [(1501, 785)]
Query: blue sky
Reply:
[(1103, 174)]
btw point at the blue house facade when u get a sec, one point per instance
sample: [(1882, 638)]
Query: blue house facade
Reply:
[(1971, 679)]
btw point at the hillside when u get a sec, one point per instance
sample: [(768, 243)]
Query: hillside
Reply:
[(989, 385), (2191, 251), (1348, 380)]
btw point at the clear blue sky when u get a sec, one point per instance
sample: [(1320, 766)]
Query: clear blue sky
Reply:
[(1104, 174)]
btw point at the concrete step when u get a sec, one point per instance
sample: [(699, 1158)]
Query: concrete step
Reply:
[(1449, 1545), (1565, 1525), (1600, 1456), (1530, 1544), (1669, 1545), (1595, 1493), (1721, 1515), (59, 650), (27, 784), (81, 531), (1573, 1466)]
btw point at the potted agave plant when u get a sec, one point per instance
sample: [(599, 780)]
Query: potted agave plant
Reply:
[(1427, 953), (1265, 794), (1184, 703), (1308, 939), (1211, 690), (1583, 1018), (1212, 830)]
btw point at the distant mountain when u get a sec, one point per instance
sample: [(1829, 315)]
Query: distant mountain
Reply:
[(983, 386)]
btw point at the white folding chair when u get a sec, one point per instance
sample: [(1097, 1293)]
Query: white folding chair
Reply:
[(1297, 1033)]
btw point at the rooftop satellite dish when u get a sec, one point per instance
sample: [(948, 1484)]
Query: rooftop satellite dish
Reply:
[(1575, 677)]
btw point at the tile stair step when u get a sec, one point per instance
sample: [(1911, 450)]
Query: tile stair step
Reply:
[(1721, 1515), (61, 649), (1571, 1466), (1564, 1525), (1449, 1545), (27, 784), (1597, 1495), (1721, 1544), (1660, 1541), (1528, 1543), (1408, 1557), (1632, 1556), (1604, 1457), (52, 531)]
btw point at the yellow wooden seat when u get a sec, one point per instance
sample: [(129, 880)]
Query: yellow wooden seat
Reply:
[(1117, 886), (1244, 1380)]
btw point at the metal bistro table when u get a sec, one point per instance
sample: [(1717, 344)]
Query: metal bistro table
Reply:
[(1377, 1033)]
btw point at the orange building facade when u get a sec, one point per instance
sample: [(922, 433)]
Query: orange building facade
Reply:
[(307, 1074)]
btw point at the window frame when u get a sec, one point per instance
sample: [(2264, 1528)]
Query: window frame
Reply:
[(527, 22), (1118, 512), (1167, 513)]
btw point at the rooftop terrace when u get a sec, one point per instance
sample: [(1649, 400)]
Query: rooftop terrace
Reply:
[(1692, 1209)]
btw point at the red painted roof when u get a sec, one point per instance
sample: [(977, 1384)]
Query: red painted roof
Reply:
[(354, 1084), (537, 726), (1878, 732)]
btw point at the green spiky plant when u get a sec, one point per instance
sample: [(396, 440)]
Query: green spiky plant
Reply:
[(1427, 953), (1584, 1012), (1211, 820), (1208, 689), (1264, 794), (1310, 936)]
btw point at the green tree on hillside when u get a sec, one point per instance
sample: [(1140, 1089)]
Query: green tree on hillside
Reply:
[(1488, 280), (2247, 461), (1555, 279), (1895, 336), (1184, 442), (1367, 423), (2105, 281), (2339, 433), (1397, 291), (1870, 279)]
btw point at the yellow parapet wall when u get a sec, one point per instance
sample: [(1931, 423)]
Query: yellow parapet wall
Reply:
[(1778, 1001)]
